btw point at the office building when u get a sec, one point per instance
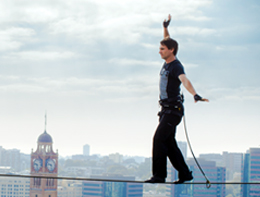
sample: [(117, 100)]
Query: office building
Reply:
[(14, 187), (10, 158), (86, 150), (213, 173), (233, 163), (183, 148), (115, 189), (251, 173)]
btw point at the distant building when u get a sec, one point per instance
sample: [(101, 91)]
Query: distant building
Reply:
[(138, 159), (25, 162), (10, 158), (79, 157), (15, 159), (251, 173), (214, 174), (218, 158), (116, 157), (84, 171), (115, 189), (14, 187), (86, 150), (68, 188), (233, 163), (44, 162), (1, 155), (183, 148)]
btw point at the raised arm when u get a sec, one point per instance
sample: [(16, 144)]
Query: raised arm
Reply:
[(165, 27)]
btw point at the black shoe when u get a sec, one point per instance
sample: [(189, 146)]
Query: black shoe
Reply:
[(155, 180), (181, 180)]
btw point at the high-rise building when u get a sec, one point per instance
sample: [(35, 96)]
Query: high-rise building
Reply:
[(183, 148), (86, 150), (233, 163), (251, 173), (213, 173), (115, 189), (44, 162), (14, 187), (10, 158)]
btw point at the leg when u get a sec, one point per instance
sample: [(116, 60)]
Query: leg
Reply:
[(160, 149), (175, 154)]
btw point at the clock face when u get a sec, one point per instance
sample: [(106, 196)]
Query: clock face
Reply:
[(37, 164), (50, 164)]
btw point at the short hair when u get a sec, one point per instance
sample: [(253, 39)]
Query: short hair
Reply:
[(170, 44)]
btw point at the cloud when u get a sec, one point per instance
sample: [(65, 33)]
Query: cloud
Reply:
[(134, 62), (13, 38), (194, 31), (126, 20), (236, 94), (89, 86), (42, 55)]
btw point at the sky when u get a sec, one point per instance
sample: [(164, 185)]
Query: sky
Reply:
[(93, 67)]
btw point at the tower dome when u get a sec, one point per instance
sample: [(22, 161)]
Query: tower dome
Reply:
[(45, 138)]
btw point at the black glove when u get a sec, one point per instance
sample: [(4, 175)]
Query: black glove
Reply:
[(197, 97), (166, 23)]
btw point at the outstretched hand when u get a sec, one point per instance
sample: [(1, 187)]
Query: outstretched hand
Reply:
[(199, 98), (166, 23), (203, 99)]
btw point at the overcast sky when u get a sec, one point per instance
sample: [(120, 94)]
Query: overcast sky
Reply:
[(93, 65)]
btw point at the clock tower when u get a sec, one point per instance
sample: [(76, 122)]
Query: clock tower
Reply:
[(44, 162)]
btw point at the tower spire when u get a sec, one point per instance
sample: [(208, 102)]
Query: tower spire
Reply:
[(45, 121)]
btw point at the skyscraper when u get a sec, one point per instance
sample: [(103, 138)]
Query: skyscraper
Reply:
[(214, 174), (86, 150), (251, 172), (183, 147), (233, 163)]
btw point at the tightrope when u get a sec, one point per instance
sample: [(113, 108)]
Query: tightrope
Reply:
[(118, 180)]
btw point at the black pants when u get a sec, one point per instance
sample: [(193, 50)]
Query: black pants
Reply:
[(165, 145)]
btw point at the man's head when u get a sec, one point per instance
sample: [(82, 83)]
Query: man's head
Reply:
[(170, 44)]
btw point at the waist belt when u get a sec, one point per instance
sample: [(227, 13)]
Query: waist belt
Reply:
[(172, 102)]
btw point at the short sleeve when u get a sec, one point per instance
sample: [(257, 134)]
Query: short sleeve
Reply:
[(177, 69)]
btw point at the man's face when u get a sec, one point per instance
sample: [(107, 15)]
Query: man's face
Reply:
[(165, 52)]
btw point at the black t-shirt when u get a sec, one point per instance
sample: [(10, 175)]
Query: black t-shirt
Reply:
[(169, 80)]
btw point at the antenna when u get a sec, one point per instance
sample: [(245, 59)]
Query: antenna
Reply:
[(45, 121)]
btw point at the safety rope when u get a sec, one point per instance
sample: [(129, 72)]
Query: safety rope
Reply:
[(208, 184)]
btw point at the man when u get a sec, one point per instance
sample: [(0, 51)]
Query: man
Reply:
[(164, 143)]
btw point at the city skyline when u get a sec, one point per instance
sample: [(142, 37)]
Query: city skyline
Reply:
[(94, 67), (186, 152)]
